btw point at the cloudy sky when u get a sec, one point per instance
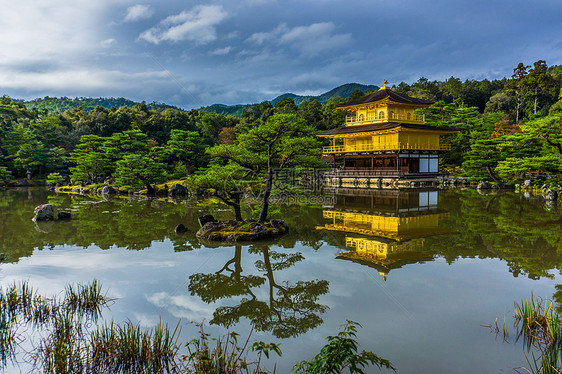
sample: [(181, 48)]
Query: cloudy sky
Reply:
[(191, 54)]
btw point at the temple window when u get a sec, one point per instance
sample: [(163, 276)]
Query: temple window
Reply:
[(381, 115)]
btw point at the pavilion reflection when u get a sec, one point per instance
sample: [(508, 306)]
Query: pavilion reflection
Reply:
[(386, 228)]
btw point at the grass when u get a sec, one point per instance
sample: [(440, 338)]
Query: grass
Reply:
[(66, 339), (538, 323)]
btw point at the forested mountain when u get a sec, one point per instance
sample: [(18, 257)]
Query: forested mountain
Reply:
[(61, 104), (343, 91)]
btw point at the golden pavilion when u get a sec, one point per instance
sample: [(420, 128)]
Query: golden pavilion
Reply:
[(383, 137), (385, 229)]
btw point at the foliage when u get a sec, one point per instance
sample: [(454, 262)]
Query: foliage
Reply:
[(290, 309), (55, 178), (341, 353), (538, 324), (227, 356), (282, 141), (88, 104), (5, 174)]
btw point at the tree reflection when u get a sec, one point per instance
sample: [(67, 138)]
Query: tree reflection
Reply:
[(290, 309)]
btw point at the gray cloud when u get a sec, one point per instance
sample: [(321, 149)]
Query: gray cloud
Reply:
[(138, 12), (253, 50), (197, 25)]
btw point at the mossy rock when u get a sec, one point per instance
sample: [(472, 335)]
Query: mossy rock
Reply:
[(232, 231)]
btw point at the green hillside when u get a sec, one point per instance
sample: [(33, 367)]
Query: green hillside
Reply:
[(343, 91), (88, 104)]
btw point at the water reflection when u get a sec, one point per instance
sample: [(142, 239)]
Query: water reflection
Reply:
[(387, 227), (128, 223), (287, 309)]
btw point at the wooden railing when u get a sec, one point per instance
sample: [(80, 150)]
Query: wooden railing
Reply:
[(374, 118), (385, 147)]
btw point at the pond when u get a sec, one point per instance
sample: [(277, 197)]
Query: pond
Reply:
[(421, 271)]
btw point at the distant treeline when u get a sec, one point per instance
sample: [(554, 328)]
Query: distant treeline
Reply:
[(511, 126), (55, 104)]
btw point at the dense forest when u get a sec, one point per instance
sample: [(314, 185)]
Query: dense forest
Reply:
[(511, 127)]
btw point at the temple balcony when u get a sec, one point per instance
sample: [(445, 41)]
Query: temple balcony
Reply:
[(374, 118), (385, 147)]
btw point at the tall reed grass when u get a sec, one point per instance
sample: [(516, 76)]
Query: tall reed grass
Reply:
[(538, 323)]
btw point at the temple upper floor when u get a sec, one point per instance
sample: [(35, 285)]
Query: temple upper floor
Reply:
[(384, 105)]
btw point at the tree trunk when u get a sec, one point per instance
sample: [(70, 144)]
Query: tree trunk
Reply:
[(187, 168), (236, 206), (266, 194), (149, 189), (536, 99), (491, 174)]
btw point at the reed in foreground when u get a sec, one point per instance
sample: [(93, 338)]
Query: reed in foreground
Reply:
[(67, 339), (538, 324)]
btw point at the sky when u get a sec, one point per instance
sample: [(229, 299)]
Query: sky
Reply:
[(192, 54)]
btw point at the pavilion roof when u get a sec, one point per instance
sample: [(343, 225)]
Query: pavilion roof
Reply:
[(386, 126), (385, 93)]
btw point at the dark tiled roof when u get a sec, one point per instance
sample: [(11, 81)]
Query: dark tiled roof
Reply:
[(383, 94), (384, 126)]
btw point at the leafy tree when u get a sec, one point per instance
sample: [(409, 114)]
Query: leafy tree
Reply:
[(537, 82), (55, 178), (482, 159), (286, 106), (453, 88), (5, 175), (90, 159), (311, 111), (517, 83), (549, 129), (356, 94), (226, 182), (512, 168), (283, 141), (137, 170), (486, 154), (186, 146)]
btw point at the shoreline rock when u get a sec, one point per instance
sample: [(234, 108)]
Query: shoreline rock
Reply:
[(47, 212)]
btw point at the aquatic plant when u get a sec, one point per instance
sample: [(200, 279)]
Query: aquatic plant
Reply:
[(227, 356), (341, 353), (538, 324)]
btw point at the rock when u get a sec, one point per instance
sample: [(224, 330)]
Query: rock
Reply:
[(279, 224), (64, 215), (484, 186), (256, 227), (203, 220), (209, 227), (527, 183), (181, 229), (233, 231), (551, 195), (177, 190), (20, 183), (45, 212), (108, 190)]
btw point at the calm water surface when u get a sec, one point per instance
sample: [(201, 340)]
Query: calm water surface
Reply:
[(420, 271)]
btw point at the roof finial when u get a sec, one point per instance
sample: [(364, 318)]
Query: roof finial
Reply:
[(384, 82)]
